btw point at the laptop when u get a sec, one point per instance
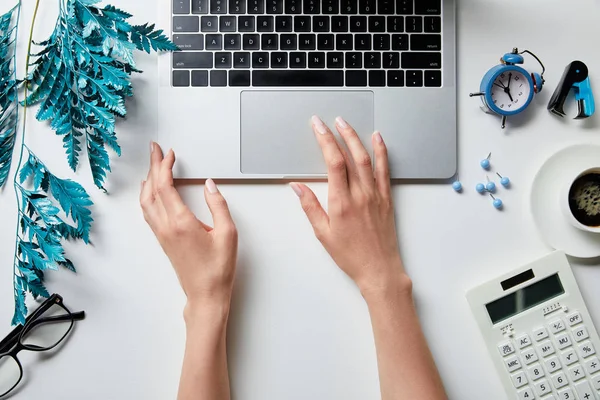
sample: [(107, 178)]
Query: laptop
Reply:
[(239, 96)]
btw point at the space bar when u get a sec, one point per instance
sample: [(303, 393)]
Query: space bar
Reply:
[(297, 78)]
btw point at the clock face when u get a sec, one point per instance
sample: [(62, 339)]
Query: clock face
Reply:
[(510, 91)]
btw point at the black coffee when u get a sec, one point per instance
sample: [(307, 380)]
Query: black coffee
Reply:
[(584, 199)]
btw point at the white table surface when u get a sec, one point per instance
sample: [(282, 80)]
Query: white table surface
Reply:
[(299, 328)]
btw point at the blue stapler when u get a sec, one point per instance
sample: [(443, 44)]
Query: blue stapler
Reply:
[(576, 76)]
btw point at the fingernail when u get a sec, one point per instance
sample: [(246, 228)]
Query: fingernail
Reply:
[(297, 189), (143, 183), (317, 123), (151, 147), (377, 136), (341, 123), (211, 186)]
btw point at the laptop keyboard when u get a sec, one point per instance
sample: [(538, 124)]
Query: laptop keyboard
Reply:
[(307, 43)]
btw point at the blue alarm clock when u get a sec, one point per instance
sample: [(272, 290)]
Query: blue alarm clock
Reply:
[(507, 89)]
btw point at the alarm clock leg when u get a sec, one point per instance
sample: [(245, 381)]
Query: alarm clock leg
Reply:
[(476, 94), (503, 121)]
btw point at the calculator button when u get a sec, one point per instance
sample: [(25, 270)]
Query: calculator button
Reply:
[(566, 394), (586, 349), (584, 391), (552, 364), (569, 357), (529, 356), (506, 348), (540, 334), (550, 397), (542, 387), (592, 366), (560, 380), (523, 341), (574, 319), (563, 341), (557, 326), (580, 334), (596, 382), (535, 372), (512, 364), (519, 379), (545, 349), (526, 394), (576, 372)]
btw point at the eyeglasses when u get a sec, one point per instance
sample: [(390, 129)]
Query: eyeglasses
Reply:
[(44, 329)]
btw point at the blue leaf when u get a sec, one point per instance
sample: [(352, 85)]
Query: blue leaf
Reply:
[(20, 307), (75, 202)]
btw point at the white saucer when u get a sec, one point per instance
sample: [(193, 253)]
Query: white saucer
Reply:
[(546, 190)]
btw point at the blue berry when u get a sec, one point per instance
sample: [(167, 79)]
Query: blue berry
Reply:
[(505, 182), (480, 188), (498, 204), (457, 186), (485, 164), (490, 187)]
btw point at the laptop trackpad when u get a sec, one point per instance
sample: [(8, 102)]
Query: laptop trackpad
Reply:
[(276, 134)]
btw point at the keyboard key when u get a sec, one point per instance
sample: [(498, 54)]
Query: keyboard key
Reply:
[(191, 60), (274, 6), (289, 42), (399, 42), (358, 24), (349, 7), (356, 78), (223, 60), (373, 60), (321, 24), (279, 60), (209, 24), (265, 24), (592, 366), (181, 6), (354, 60), (227, 24), (367, 7), (283, 24), (377, 78), (302, 24), (362, 42), (251, 41), (519, 379), (214, 41), (432, 24), (528, 356), (433, 78), (293, 6), (307, 42), (297, 60), (580, 334), (233, 42), (218, 6), (574, 318), (344, 42), (536, 371), (270, 42), (560, 380), (218, 78), (246, 24), (556, 326), (316, 60), (181, 78), (255, 7), (421, 60), (552, 364), (511, 363), (395, 24), (312, 6), (189, 42), (576, 372), (319, 78), (239, 78), (563, 341), (566, 394), (523, 341), (199, 78), (381, 42), (199, 6), (426, 42), (237, 6), (545, 349), (540, 334), (385, 7), (339, 24), (396, 79), (526, 394), (186, 24), (331, 6), (542, 387), (391, 60), (428, 7), (260, 60), (414, 24), (586, 349), (584, 391), (569, 357), (376, 24), (335, 60), (241, 60), (414, 78), (404, 7), (325, 42)]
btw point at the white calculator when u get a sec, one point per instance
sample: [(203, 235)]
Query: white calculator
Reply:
[(539, 332)]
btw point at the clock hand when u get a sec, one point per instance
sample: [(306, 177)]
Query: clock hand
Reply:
[(509, 96), (503, 87), (509, 79)]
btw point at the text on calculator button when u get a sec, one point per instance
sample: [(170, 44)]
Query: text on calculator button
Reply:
[(506, 348), (574, 318), (569, 357), (563, 341), (512, 364), (552, 364), (580, 334), (586, 349), (584, 391), (523, 341), (560, 380), (576, 372), (540, 334), (542, 387), (535, 372), (566, 394), (519, 379), (557, 326), (545, 349), (596, 382), (526, 394), (592, 365), (529, 356)]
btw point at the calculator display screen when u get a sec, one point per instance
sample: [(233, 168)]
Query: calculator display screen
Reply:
[(525, 298)]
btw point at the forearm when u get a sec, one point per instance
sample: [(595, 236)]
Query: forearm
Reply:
[(406, 366), (204, 375)]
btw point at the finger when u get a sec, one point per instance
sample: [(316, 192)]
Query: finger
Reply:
[(156, 157), (149, 206), (317, 216), (218, 207), (169, 196), (336, 164), (382, 167), (362, 160)]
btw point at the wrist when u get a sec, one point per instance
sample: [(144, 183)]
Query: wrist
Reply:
[(395, 288), (206, 311)]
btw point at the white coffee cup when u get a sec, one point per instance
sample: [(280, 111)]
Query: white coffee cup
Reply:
[(566, 198)]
